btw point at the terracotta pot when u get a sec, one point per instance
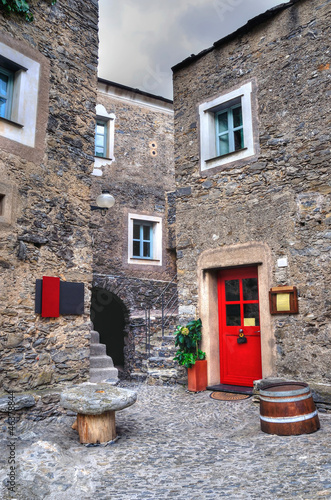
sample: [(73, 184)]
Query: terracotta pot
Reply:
[(197, 376)]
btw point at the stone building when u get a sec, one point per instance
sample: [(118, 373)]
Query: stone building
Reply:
[(48, 73), (134, 242), (252, 150)]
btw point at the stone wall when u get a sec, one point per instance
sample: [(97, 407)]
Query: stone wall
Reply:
[(280, 199), (139, 176), (46, 230)]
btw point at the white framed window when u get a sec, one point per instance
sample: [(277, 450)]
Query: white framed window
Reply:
[(19, 84), (144, 239), (104, 139), (226, 128)]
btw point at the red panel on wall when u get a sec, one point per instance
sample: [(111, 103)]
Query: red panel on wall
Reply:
[(50, 297)]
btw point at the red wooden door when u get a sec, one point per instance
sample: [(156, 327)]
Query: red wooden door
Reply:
[(239, 318)]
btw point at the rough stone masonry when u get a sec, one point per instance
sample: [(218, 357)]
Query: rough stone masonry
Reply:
[(45, 188)]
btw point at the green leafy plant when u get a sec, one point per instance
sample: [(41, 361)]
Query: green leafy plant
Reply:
[(20, 7), (187, 340)]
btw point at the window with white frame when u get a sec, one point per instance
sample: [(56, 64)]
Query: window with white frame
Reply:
[(19, 83), (104, 139), (144, 239), (226, 128)]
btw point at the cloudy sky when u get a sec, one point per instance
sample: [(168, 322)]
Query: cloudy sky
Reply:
[(140, 40)]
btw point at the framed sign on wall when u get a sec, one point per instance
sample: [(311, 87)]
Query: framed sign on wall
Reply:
[(283, 300)]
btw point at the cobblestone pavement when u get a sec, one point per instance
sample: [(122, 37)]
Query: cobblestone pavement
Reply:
[(173, 444)]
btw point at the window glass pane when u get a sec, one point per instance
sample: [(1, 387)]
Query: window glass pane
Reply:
[(237, 117), (136, 249), (3, 84), (99, 141), (222, 122), (100, 129), (233, 315), (224, 144), (147, 232), (250, 289), (238, 139), (251, 313), (2, 107), (232, 290), (136, 231), (147, 249)]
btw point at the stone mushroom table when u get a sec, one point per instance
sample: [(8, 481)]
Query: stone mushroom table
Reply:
[(95, 405)]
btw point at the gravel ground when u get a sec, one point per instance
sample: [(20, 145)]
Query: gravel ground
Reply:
[(173, 444)]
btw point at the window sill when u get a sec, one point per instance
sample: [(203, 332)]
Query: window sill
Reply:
[(144, 261), (227, 155), (103, 157), (11, 122)]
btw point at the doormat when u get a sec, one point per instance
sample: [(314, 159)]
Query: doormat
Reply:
[(228, 396)]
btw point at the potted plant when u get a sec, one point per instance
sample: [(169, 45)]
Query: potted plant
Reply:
[(189, 355)]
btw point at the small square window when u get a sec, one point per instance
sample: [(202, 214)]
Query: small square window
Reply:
[(227, 133), (145, 240)]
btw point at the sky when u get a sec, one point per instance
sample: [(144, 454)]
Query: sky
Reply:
[(140, 40)]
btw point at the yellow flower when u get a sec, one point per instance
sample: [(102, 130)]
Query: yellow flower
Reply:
[(185, 331)]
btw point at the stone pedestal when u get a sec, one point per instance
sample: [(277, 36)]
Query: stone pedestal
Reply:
[(95, 405)]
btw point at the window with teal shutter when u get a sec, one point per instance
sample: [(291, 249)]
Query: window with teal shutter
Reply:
[(229, 130), (142, 240), (101, 139), (6, 92)]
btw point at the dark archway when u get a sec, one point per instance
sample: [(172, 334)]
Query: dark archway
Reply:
[(108, 315)]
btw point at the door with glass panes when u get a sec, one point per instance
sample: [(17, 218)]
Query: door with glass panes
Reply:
[(239, 326)]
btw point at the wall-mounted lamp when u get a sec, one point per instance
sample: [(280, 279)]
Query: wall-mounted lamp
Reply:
[(104, 201)]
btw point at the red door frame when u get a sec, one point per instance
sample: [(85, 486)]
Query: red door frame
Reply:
[(240, 364)]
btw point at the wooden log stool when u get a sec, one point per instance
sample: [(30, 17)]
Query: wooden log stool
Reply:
[(95, 405)]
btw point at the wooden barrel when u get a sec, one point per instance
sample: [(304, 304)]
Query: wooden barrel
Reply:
[(288, 409)]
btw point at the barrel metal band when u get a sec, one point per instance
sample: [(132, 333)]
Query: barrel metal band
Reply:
[(286, 420), (286, 400), (303, 390)]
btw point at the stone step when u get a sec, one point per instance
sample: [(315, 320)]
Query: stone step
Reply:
[(98, 350), (101, 362), (95, 337), (109, 375)]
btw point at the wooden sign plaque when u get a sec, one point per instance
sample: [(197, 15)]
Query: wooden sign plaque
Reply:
[(283, 300)]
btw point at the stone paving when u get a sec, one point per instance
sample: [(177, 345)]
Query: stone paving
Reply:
[(173, 444)]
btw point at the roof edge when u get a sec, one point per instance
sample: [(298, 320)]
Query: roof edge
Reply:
[(251, 23), (135, 90)]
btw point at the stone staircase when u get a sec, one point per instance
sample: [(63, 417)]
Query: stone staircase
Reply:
[(101, 366), (159, 368)]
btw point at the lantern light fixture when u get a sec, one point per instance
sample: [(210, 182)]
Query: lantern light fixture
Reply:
[(104, 201)]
